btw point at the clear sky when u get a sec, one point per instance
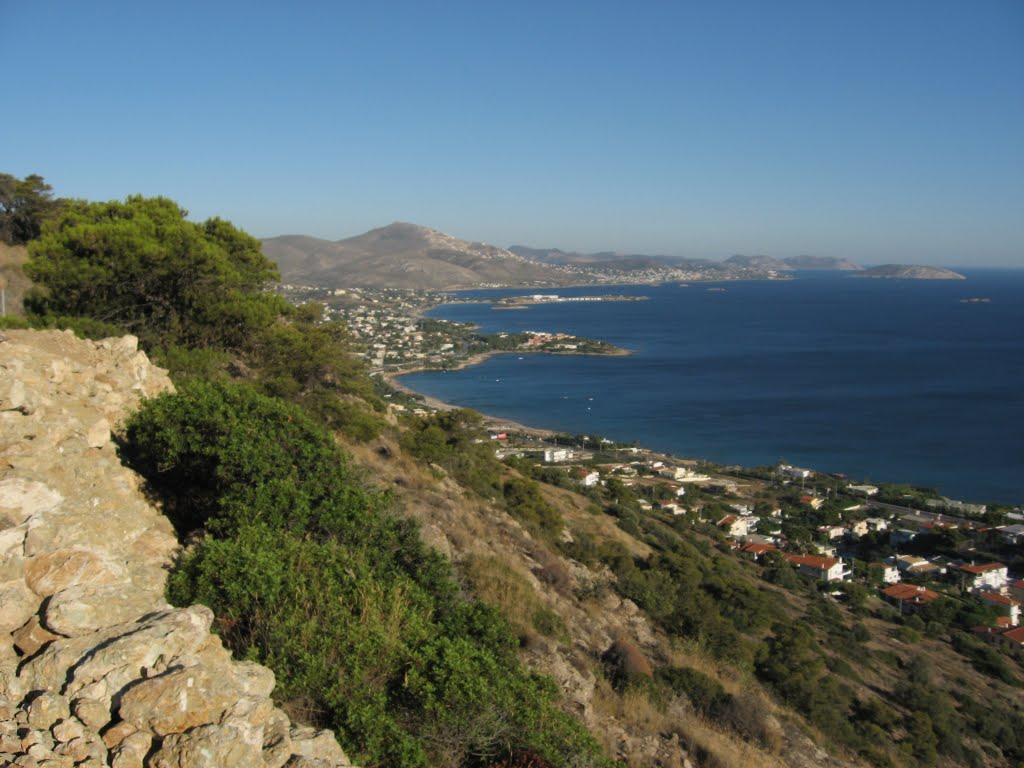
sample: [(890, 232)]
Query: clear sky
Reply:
[(877, 130)]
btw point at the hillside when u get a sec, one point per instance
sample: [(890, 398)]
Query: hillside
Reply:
[(820, 262), (429, 602), (759, 262), (910, 272), (96, 668), (404, 255)]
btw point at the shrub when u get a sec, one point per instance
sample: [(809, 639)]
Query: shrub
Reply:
[(626, 665)]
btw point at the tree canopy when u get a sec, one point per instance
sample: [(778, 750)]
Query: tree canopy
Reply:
[(143, 266), (24, 205)]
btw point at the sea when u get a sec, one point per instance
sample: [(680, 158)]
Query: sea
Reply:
[(882, 380)]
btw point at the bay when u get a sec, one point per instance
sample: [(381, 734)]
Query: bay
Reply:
[(882, 380)]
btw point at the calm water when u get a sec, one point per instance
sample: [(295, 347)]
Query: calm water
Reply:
[(884, 380)]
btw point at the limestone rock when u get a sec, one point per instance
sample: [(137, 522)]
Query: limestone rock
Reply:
[(84, 626), (98, 434), (132, 751), (47, 709), (91, 712), (183, 699), (18, 604), (64, 568), (316, 745), (208, 746), (21, 499), (84, 608), (32, 636)]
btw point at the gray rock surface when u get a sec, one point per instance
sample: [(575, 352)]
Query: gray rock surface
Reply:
[(96, 669)]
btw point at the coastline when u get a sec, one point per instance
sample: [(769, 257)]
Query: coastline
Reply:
[(990, 486)]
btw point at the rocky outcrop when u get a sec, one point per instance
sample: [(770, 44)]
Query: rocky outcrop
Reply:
[(96, 668)]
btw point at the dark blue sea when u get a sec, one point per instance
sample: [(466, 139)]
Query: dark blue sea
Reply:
[(882, 380)]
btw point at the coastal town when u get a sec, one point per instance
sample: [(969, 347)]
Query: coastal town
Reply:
[(926, 557), (393, 336)]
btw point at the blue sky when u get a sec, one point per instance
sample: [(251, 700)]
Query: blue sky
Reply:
[(877, 130)]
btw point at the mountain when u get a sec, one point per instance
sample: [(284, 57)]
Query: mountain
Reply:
[(403, 255), (757, 262), (820, 262), (607, 259), (911, 272)]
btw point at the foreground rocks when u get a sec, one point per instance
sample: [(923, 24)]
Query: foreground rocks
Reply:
[(96, 668)]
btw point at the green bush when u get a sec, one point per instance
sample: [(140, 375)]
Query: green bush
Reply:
[(705, 693), (309, 573)]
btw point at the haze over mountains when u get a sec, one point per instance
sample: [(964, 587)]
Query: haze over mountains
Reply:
[(403, 255)]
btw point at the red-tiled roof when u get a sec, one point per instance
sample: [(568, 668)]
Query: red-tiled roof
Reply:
[(984, 568), (811, 561), (910, 593), (756, 548), (1015, 635), (997, 599)]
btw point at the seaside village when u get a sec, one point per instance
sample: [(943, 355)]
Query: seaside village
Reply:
[(388, 326), (909, 550), (829, 530)]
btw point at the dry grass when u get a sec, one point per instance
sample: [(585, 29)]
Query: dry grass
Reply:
[(12, 277), (715, 747), (496, 581)]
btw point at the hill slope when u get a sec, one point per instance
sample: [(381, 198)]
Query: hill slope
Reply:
[(403, 255), (911, 272)]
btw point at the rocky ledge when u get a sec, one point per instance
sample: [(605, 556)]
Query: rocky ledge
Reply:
[(96, 668)]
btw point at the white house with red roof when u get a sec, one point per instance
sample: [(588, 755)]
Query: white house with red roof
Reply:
[(990, 577), (821, 568), (909, 597), (1005, 604)]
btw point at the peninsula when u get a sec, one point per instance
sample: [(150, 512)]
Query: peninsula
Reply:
[(910, 272)]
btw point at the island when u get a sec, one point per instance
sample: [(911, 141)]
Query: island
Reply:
[(521, 302), (910, 272)]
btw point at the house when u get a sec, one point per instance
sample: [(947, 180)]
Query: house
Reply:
[(758, 549), (821, 568), (863, 490), (553, 455), (884, 572), (671, 507), (1016, 589), (859, 528), (987, 576), (917, 566), (1012, 534), (825, 550), (908, 596), (586, 478), (902, 536), (1014, 638), (798, 473), (876, 524), (737, 526), (831, 532), (678, 490), (1006, 606), (814, 501)]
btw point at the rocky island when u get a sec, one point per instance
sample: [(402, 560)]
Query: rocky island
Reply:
[(910, 272)]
